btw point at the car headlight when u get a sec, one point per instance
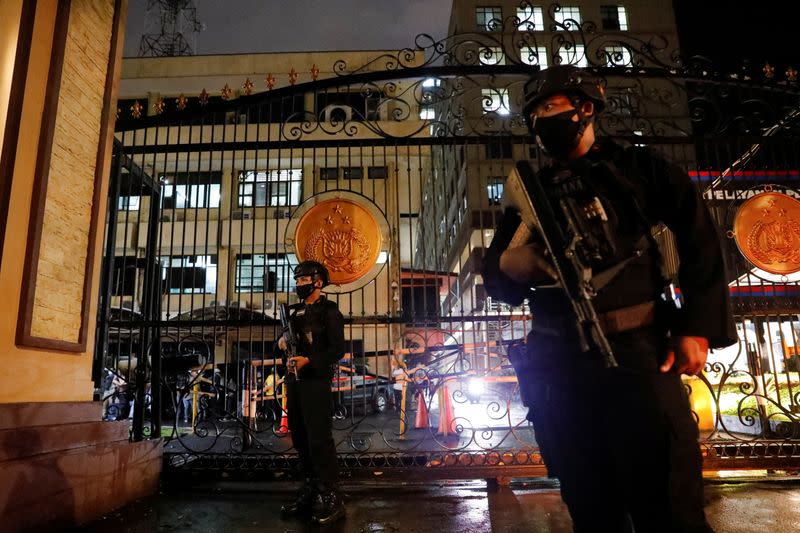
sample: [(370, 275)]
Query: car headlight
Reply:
[(475, 387)]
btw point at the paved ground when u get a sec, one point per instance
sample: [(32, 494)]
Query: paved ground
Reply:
[(463, 507)]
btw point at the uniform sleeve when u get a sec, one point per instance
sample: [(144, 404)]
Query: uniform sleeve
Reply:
[(673, 198), (498, 285), (329, 352)]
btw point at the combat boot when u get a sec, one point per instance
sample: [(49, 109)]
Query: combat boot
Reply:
[(329, 507), (303, 502)]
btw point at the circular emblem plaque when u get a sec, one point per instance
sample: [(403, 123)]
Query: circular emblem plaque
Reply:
[(342, 235), (767, 231)]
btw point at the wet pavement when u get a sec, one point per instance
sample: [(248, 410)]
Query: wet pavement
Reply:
[(463, 506)]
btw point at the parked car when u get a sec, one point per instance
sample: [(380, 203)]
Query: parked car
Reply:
[(360, 388)]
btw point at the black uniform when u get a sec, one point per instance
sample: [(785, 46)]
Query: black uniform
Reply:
[(320, 331), (622, 441)]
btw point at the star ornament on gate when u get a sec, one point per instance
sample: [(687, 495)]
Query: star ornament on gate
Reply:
[(226, 92), (204, 98), (180, 102), (270, 81)]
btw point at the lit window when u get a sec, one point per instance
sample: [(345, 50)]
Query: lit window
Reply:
[(190, 274), (534, 56), (189, 190), (265, 272), (427, 112), (568, 17), (270, 188), (495, 100), (573, 55), (128, 203), (617, 56), (494, 190), (489, 18), (530, 18), (614, 18), (491, 55), (431, 82)]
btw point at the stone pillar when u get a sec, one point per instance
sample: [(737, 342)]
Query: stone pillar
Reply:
[(59, 72)]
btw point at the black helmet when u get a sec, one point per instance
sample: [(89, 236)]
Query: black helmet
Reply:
[(313, 268), (565, 79)]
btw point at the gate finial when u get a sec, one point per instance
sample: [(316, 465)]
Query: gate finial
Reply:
[(247, 87)]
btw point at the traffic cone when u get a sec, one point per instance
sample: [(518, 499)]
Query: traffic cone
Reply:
[(446, 415), (284, 427), (421, 420)]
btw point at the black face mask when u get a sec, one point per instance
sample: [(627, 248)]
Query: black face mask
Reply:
[(304, 291), (559, 134)]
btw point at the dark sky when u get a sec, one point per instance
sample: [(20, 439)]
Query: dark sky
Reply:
[(248, 26), (732, 32), (727, 32)]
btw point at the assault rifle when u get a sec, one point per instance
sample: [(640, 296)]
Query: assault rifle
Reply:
[(291, 341), (524, 191)]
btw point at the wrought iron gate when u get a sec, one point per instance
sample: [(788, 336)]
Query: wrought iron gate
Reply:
[(209, 190)]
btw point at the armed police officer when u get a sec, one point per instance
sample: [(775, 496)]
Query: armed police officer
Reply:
[(621, 439), (319, 330)]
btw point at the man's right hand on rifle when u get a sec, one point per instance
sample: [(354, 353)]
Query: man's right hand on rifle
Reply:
[(296, 361)]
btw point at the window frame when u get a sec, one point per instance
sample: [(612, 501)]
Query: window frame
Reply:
[(619, 21), (353, 173), (541, 52), (191, 183), (273, 188), (576, 51), (385, 172), (566, 16), (280, 261), (501, 107), (627, 57), (533, 21), (327, 170), (210, 278), (494, 13), (495, 184), (491, 55)]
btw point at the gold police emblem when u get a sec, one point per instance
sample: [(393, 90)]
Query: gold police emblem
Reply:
[(342, 235), (767, 232)]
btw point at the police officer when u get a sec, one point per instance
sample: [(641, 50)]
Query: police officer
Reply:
[(621, 440), (319, 328)]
